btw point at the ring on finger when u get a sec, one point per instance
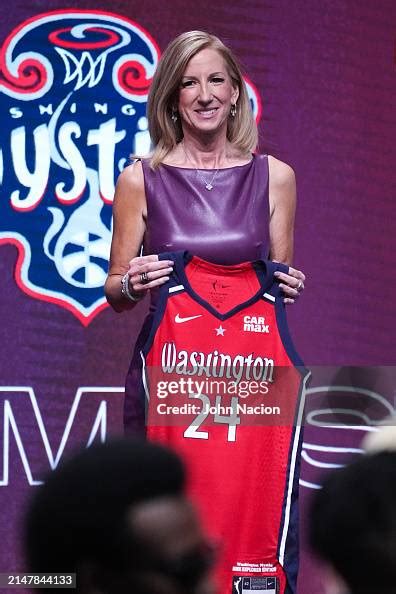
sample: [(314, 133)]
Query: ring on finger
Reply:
[(300, 286), (144, 279)]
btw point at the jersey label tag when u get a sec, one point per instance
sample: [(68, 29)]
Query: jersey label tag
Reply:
[(255, 585)]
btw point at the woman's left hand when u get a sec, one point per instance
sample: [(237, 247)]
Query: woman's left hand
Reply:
[(292, 284)]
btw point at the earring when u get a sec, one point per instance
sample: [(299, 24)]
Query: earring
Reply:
[(174, 115), (233, 110)]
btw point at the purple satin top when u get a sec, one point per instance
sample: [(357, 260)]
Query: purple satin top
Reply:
[(225, 225)]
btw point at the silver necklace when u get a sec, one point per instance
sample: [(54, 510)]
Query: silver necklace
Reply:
[(208, 184)]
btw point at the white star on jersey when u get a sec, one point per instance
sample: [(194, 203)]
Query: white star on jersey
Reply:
[(220, 331)]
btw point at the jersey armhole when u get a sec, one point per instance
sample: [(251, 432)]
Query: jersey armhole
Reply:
[(284, 333), (172, 286), (276, 295), (157, 318)]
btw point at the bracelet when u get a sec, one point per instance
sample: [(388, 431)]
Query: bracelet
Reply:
[(126, 292)]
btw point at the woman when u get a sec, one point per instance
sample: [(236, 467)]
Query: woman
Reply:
[(199, 119), (203, 189)]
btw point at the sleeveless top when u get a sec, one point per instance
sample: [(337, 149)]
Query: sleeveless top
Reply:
[(226, 225)]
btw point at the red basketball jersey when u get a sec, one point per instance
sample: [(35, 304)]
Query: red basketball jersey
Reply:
[(224, 388)]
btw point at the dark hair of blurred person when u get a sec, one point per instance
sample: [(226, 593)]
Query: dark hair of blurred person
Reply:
[(115, 514), (353, 524)]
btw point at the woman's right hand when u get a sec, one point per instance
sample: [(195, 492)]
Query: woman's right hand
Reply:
[(147, 272)]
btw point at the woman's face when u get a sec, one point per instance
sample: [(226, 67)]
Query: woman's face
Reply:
[(206, 94)]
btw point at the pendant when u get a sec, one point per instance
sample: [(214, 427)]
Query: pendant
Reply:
[(209, 186)]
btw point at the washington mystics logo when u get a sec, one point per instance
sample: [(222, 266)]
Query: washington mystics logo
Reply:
[(73, 88)]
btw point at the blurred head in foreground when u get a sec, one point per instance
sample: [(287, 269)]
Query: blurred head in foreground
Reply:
[(383, 438), (116, 515), (353, 524)]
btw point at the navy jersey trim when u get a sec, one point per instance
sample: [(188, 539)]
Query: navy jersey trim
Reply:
[(165, 292), (263, 269), (288, 536), (172, 287), (281, 319), (284, 333)]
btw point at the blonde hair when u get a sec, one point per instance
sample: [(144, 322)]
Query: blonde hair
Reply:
[(164, 132)]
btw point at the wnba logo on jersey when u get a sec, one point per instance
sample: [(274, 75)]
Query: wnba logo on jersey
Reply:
[(74, 90)]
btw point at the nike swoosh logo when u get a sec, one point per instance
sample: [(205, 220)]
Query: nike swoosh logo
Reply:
[(180, 320)]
